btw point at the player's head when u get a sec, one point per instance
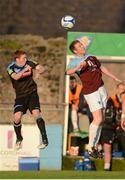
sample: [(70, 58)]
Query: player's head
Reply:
[(20, 57), (77, 48), (73, 82), (120, 88)]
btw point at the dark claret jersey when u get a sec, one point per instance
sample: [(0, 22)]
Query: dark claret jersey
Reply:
[(25, 85), (91, 75)]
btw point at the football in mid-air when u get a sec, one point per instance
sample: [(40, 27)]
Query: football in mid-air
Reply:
[(67, 22)]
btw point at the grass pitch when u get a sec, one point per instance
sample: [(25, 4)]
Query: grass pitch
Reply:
[(62, 174)]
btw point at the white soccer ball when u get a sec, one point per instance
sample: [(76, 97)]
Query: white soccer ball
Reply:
[(67, 22)]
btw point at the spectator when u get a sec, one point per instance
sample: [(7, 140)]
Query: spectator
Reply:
[(74, 97), (111, 126), (84, 108)]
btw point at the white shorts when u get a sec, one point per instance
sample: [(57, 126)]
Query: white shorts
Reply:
[(97, 100)]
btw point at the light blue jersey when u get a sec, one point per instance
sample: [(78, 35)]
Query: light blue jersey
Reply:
[(76, 61)]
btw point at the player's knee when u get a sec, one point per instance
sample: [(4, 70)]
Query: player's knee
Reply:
[(17, 120), (36, 113), (17, 117), (97, 121)]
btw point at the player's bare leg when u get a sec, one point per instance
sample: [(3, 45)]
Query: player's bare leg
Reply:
[(107, 156)]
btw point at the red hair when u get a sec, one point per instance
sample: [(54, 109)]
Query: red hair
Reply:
[(18, 53)]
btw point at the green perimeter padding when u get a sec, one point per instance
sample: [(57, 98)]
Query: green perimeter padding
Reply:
[(103, 44)]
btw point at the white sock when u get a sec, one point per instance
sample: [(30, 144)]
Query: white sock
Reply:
[(107, 166), (94, 134), (98, 135), (74, 118)]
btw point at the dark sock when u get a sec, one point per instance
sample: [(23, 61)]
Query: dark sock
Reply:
[(41, 126), (17, 128)]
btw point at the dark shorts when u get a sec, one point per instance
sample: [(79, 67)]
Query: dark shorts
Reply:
[(30, 102), (107, 136)]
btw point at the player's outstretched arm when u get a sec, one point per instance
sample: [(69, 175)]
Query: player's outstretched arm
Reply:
[(109, 74)]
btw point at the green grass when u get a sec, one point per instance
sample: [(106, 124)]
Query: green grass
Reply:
[(118, 171), (117, 164), (62, 175)]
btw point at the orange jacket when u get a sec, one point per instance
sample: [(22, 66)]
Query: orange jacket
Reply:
[(74, 98), (115, 101)]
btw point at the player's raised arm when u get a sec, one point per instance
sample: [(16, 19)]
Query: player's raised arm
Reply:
[(75, 69), (72, 70), (17, 76), (108, 73)]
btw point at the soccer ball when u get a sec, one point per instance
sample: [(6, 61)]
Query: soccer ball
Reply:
[(67, 22)]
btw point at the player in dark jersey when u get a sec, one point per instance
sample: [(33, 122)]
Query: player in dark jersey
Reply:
[(90, 70), (111, 128), (20, 71)]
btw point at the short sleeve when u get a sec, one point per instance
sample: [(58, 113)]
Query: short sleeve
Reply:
[(74, 62), (71, 65), (9, 69), (32, 63)]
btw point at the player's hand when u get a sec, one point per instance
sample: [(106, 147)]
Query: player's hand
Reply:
[(27, 68), (123, 81), (26, 71)]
